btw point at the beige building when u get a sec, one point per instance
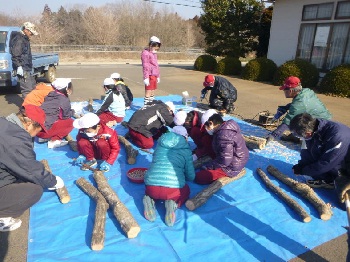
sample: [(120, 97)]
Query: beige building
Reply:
[(314, 30)]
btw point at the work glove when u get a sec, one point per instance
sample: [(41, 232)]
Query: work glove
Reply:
[(105, 166), (158, 79), (194, 157), (81, 159), (59, 184), (297, 169), (146, 81), (20, 71)]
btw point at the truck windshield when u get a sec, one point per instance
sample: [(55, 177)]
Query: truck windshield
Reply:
[(3, 36)]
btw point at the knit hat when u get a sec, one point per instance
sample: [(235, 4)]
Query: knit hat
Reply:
[(86, 121), (180, 117), (170, 105), (115, 76), (61, 83), (290, 82), (180, 130), (31, 27), (208, 80), (36, 114)]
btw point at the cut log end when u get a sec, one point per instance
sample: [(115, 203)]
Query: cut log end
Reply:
[(306, 219), (63, 195), (325, 217), (131, 160), (97, 247), (133, 232), (190, 205)]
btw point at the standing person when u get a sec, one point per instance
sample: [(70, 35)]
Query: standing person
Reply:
[(223, 94), (325, 153), (230, 149), (150, 68), (22, 57), (112, 110), (59, 122), (149, 123), (166, 177), (22, 177), (304, 101), (96, 141), (124, 89)]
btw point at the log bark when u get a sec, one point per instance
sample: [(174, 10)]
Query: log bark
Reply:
[(282, 195), (201, 161), (62, 193), (98, 233), (90, 108), (254, 142), (131, 153), (305, 191), (203, 196), (120, 211)]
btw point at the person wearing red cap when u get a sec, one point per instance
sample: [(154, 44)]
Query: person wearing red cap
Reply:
[(22, 177), (304, 101), (223, 94)]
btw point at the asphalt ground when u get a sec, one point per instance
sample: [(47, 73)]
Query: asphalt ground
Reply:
[(175, 78)]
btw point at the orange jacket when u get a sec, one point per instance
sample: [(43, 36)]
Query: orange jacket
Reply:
[(36, 96)]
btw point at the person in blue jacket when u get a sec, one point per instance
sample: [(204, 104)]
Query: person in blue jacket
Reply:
[(166, 178), (325, 152)]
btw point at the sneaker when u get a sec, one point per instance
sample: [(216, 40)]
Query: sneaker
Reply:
[(320, 184), (170, 207), (43, 140), (89, 163), (73, 145), (9, 224), (56, 143), (149, 208)]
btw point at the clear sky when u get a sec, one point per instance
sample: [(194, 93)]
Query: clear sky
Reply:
[(184, 8)]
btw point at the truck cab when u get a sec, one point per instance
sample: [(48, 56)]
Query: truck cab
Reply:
[(44, 65)]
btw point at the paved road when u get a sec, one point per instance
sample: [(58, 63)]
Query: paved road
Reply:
[(175, 78)]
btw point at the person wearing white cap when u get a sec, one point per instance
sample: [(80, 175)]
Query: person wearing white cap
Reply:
[(59, 122), (149, 123), (95, 141), (124, 89), (22, 57), (112, 110), (150, 68), (166, 177)]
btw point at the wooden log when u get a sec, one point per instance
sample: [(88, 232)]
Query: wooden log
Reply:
[(287, 199), (131, 153), (305, 191), (254, 142), (201, 161), (90, 108), (120, 211), (62, 193), (98, 233), (203, 196)]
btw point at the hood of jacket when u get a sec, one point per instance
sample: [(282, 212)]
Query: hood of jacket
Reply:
[(172, 140)]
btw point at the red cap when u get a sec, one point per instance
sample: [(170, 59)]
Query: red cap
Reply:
[(290, 82), (36, 114), (209, 79)]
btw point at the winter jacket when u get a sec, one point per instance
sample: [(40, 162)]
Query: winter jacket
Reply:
[(150, 65), (326, 150), (172, 163), (21, 51), (229, 146), (150, 118), (222, 90), (113, 103), (126, 93), (17, 158), (37, 96), (56, 106), (105, 133)]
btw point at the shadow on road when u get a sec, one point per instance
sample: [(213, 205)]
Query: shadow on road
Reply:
[(4, 243)]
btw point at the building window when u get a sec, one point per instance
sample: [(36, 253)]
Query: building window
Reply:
[(318, 12), (343, 10)]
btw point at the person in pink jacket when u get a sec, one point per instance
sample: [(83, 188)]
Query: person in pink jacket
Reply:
[(150, 68)]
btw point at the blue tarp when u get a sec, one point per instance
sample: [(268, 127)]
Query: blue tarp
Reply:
[(243, 221)]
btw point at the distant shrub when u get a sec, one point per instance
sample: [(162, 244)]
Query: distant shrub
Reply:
[(303, 69), (229, 66), (259, 69), (336, 81), (205, 63)]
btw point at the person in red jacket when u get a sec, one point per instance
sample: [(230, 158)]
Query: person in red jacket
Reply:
[(95, 141)]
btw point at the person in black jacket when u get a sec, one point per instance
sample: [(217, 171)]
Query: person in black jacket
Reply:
[(223, 94), (22, 177), (22, 57)]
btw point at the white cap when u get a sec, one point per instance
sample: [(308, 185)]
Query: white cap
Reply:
[(180, 130), (180, 117), (115, 75), (171, 106), (207, 114), (31, 27), (108, 81), (61, 83), (154, 39), (86, 121)]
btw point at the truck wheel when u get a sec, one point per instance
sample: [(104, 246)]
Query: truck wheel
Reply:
[(50, 74)]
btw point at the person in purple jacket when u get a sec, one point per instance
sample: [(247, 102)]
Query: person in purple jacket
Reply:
[(230, 149), (325, 152), (150, 68)]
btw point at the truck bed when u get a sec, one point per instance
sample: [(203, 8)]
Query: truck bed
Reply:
[(42, 59)]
